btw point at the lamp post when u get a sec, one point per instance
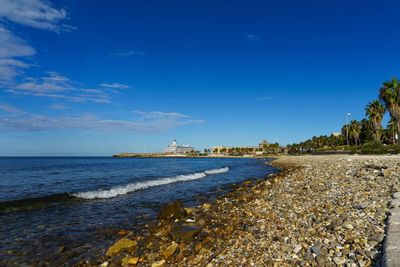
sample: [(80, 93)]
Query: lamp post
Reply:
[(347, 128)]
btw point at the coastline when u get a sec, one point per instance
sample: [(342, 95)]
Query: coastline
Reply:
[(161, 155), (319, 210)]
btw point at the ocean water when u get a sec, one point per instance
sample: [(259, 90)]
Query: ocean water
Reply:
[(62, 210)]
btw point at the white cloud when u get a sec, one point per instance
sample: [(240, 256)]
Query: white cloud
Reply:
[(33, 13), (127, 53), (23, 121), (114, 85)]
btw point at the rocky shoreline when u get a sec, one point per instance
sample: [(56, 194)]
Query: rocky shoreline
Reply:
[(318, 211)]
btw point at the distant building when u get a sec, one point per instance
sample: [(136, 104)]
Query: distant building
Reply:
[(174, 148), (263, 148)]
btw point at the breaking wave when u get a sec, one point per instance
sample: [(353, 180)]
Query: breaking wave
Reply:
[(123, 190)]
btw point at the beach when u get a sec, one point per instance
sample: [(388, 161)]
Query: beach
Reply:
[(318, 211)]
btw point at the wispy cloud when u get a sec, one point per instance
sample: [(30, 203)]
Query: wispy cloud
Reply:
[(114, 85), (34, 13), (57, 86), (58, 107), (14, 51), (253, 37), (265, 98), (145, 122), (161, 115), (127, 53), (10, 109)]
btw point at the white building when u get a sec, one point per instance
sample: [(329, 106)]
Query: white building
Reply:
[(174, 148)]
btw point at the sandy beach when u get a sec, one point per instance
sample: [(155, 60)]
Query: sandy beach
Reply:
[(319, 211)]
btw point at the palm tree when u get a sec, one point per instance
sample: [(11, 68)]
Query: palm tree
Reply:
[(390, 131), (354, 131), (375, 111), (390, 96)]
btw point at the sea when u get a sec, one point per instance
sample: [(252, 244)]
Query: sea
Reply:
[(59, 211)]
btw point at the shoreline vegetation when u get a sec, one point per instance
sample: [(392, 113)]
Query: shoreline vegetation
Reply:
[(366, 136), (318, 211)]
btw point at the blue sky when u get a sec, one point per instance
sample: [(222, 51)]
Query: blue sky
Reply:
[(101, 77)]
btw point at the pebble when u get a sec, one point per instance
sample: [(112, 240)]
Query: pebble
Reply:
[(319, 211)]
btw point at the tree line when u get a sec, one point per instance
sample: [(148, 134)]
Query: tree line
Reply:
[(366, 131)]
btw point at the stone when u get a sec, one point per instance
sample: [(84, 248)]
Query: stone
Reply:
[(206, 206), (339, 260), (190, 211), (198, 247), (105, 264), (123, 232), (168, 250), (360, 206), (172, 211), (337, 220), (130, 261), (315, 250), (158, 263), (321, 261), (121, 244), (348, 226), (297, 249), (183, 232)]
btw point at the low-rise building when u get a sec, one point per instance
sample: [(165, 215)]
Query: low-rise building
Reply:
[(263, 148)]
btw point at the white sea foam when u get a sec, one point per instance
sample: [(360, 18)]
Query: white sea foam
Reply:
[(123, 190), (216, 171)]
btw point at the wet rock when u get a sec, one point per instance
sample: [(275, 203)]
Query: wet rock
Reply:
[(172, 211), (130, 261), (183, 232), (123, 232), (332, 205), (121, 244)]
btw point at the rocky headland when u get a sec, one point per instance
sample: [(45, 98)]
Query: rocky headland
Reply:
[(318, 211)]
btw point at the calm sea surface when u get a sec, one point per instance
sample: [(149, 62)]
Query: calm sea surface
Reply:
[(58, 211)]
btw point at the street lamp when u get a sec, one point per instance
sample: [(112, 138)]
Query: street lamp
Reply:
[(347, 128)]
